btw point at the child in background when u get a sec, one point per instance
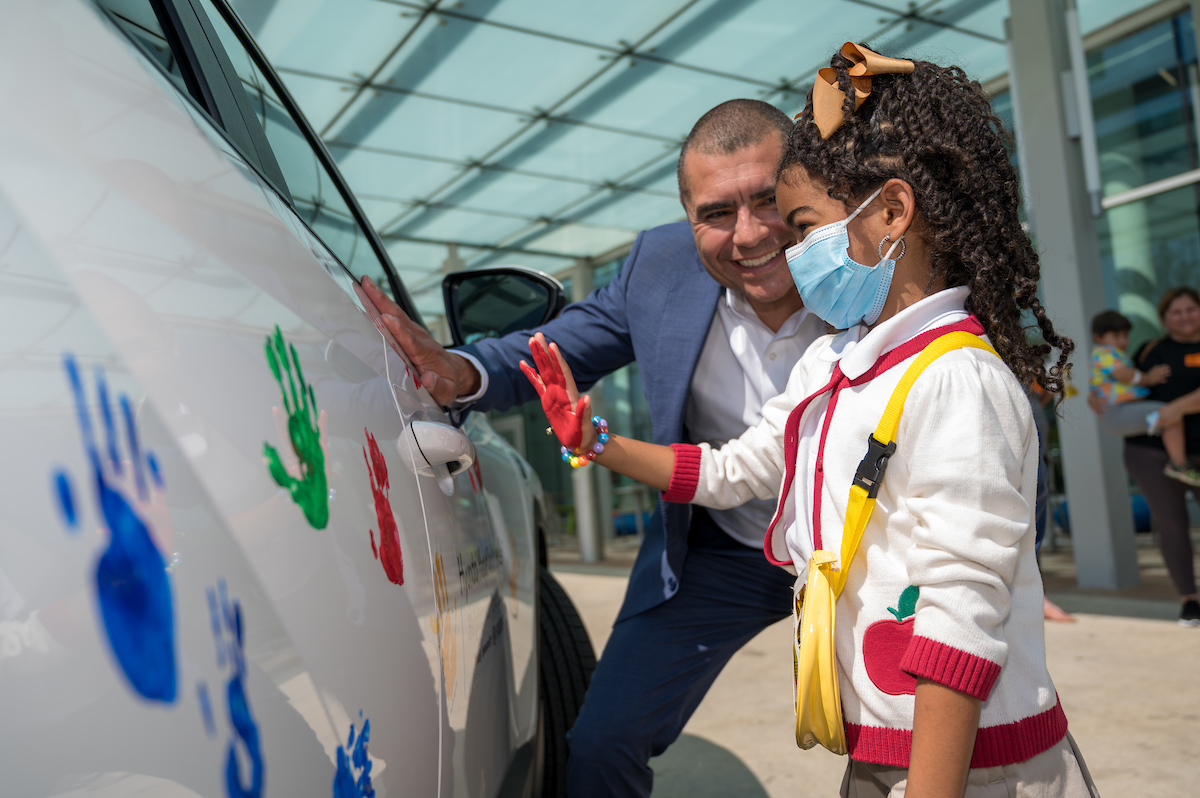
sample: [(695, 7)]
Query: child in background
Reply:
[(1122, 390)]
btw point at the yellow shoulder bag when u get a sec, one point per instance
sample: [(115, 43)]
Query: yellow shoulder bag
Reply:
[(818, 700)]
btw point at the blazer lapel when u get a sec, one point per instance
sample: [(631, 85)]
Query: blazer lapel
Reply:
[(682, 330)]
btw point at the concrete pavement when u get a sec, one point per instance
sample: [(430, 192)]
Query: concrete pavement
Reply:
[(1127, 677)]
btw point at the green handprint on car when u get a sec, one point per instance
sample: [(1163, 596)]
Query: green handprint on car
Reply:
[(309, 486)]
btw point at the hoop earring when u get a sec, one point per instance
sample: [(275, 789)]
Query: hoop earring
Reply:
[(899, 241)]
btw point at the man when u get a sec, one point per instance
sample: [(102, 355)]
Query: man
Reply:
[(709, 311)]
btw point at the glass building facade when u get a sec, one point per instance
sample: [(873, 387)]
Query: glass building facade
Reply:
[(545, 134), (1144, 94)]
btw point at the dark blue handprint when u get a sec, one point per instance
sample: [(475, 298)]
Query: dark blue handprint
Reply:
[(345, 785), (133, 588), (227, 631)]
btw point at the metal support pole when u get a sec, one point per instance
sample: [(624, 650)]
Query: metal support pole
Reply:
[(1014, 91), (583, 484), (591, 546), (1083, 101), (604, 489), (1097, 486)]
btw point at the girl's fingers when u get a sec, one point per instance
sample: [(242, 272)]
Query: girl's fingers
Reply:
[(537, 347), (555, 358), (553, 373), (533, 377), (564, 371), (533, 352)]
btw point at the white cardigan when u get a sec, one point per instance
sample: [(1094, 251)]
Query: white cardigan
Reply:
[(954, 518)]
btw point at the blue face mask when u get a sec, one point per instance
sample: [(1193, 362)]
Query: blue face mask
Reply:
[(833, 285)]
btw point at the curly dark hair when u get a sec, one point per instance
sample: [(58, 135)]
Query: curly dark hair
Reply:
[(935, 130)]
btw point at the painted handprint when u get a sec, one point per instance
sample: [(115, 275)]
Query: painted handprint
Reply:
[(388, 551), (555, 388), (227, 628), (443, 625), (345, 784), (133, 587), (310, 488)]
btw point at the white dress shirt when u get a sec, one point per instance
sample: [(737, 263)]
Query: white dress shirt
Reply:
[(743, 365)]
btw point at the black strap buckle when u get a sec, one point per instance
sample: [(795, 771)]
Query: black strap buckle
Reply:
[(873, 466)]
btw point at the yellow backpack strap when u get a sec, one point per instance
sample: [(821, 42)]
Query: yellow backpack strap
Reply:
[(882, 445)]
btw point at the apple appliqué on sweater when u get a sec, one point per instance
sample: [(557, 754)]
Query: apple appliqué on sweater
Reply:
[(885, 643)]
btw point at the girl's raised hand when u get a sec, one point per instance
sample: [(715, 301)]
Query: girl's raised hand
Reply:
[(561, 401)]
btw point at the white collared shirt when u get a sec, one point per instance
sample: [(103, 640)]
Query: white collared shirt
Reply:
[(858, 348), (743, 365)]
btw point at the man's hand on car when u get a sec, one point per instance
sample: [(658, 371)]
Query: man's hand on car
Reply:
[(444, 374)]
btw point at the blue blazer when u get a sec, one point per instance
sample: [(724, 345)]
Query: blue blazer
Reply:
[(657, 312)]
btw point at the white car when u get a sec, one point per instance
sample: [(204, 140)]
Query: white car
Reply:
[(242, 551)]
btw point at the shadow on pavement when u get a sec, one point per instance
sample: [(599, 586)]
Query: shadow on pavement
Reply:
[(695, 768), (1118, 606), (1153, 597)]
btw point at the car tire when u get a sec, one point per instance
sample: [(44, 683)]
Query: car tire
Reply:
[(565, 664)]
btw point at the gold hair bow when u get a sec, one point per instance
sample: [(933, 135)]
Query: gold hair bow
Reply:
[(828, 99)]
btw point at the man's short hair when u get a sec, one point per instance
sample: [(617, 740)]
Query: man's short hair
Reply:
[(1110, 321), (730, 127)]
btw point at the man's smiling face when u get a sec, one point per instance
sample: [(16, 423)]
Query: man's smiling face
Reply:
[(739, 233)]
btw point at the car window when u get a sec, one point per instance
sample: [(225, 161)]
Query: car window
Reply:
[(314, 193), (138, 20)]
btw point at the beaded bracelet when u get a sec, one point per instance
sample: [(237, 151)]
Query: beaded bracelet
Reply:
[(579, 459)]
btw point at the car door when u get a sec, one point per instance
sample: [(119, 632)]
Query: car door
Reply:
[(489, 698), (244, 346)]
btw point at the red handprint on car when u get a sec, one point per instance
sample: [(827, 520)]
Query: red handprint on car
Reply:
[(388, 551)]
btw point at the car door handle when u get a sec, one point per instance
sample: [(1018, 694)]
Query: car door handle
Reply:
[(438, 444)]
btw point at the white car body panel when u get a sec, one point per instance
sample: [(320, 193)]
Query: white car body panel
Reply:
[(132, 239)]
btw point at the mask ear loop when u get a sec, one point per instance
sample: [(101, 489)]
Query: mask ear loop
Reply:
[(865, 203), (892, 248)]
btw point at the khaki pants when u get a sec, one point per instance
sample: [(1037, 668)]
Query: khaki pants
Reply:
[(1059, 772)]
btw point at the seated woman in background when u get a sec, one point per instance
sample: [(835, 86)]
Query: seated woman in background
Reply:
[(1121, 393), (902, 165), (1145, 457)]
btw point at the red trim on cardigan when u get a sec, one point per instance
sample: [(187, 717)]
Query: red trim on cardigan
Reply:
[(995, 746), (685, 475), (953, 667), (791, 436), (915, 345), (819, 475), (791, 443)]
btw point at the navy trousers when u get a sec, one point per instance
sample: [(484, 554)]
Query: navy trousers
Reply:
[(658, 665)]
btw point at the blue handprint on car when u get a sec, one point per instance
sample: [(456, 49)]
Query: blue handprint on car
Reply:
[(226, 619), (133, 587), (353, 777)]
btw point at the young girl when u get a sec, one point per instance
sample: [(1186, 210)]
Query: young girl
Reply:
[(940, 647)]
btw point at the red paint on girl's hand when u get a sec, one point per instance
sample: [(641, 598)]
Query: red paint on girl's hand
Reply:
[(389, 536), (551, 385)]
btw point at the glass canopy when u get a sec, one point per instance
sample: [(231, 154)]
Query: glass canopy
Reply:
[(538, 132)]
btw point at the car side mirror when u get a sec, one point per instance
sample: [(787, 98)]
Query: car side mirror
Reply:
[(491, 303)]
